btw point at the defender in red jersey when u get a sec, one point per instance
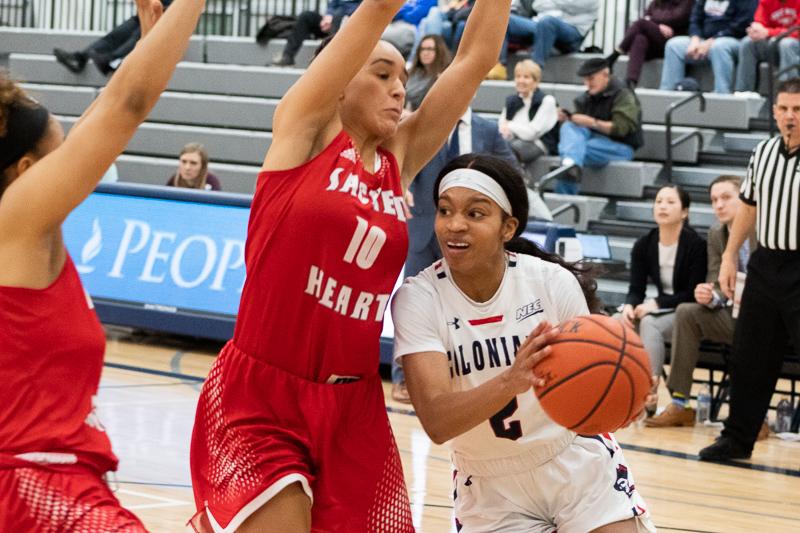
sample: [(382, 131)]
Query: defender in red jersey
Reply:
[(291, 427), (53, 450)]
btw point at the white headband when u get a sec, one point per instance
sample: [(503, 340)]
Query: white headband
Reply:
[(476, 180)]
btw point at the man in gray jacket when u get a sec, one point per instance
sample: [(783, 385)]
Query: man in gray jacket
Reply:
[(551, 23)]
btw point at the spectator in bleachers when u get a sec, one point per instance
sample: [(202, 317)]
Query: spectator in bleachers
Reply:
[(313, 24), (472, 134), (606, 125), (772, 18), (673, 257), (403, 29), (646, 37), (709, 316), (193, 170), (107, 52), (715, 27), (548, 24), (430, 59), (444, 19), (529, 119)]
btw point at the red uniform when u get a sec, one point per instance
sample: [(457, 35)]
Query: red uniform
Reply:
[(296, 396), (53, 450)]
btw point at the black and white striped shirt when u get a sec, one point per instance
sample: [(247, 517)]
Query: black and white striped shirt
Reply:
[(773, 185)]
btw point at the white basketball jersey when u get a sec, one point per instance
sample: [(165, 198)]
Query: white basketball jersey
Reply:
[(480, 340)]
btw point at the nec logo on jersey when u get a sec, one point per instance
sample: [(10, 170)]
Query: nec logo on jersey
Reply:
[(454, 323), (533, 308)]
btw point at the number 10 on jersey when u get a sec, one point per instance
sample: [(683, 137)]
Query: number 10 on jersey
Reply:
[(365, 245)]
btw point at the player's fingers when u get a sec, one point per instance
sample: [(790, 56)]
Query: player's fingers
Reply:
[(535, 343)]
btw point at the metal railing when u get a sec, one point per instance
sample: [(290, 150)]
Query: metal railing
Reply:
[(221, 17), (244, 17), (686, 136)]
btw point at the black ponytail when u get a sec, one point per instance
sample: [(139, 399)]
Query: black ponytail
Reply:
[(509, 178)]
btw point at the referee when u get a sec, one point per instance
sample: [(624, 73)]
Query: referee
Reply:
[(769, 316)]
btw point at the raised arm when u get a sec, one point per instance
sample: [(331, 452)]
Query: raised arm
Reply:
[(50, 189), (423, 133), (309, 106)]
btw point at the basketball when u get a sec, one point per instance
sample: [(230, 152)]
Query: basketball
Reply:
[(598, 375)]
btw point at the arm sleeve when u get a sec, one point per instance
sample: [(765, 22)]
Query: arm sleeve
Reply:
[(748, 191), (741, 19), (696, 19), (624, 115), (416, 324), (698, 266), (638, 283), (543, 121), (566, 292)]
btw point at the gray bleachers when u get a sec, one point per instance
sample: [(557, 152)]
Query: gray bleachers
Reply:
[(702, 176), (589, 208), (699, 215), (157, 170), (245, 51), (620, 179), (722, 110), (743, 142), (62, 100), (38, 41), (166, 140)]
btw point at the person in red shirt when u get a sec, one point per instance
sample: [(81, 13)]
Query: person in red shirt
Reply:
[(53, 449), (772, 17), (291, 426)]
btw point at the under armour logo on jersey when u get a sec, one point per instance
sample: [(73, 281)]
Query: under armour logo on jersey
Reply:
[(454, 323)]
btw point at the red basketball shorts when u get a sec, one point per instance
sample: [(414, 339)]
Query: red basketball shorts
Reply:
[(258, 429), (36, 499)]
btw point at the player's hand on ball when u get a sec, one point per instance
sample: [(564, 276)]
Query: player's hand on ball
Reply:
[(535, 348)]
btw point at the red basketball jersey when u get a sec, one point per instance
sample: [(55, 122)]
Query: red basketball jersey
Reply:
[(326, 242), (51, 357)]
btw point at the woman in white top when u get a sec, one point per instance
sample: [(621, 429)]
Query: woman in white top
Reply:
[(461, 328), (674, 258), (529, 119)]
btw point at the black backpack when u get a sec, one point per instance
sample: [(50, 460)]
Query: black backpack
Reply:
[(277, 26)]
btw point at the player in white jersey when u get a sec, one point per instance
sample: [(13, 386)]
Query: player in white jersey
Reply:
[(469, 330)]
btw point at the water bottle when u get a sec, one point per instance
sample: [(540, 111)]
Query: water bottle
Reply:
[(783, 418), (703, 405)]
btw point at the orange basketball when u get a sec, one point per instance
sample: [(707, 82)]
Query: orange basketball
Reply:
[(598, 375)]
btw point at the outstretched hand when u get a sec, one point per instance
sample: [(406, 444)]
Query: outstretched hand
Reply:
[(535, 348), (148, 11)]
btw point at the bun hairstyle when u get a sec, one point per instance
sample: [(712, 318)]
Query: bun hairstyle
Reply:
[(23, 123), (509, 178)]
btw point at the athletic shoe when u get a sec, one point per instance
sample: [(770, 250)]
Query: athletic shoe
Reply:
[(673, 415), (74, 61), (282, 61), (724, 449), (102, 62)]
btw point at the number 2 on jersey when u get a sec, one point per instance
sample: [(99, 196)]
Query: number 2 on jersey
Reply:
[(365, 245), (511, 430)]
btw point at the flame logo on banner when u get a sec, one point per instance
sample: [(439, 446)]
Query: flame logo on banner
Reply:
[(91, 248)]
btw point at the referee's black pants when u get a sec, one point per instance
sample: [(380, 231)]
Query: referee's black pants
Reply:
[(769, 320)]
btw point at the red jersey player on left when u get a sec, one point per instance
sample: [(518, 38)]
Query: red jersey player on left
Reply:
[(53, 451)]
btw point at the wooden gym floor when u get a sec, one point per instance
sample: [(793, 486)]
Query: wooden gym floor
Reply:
[(147, 401)]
